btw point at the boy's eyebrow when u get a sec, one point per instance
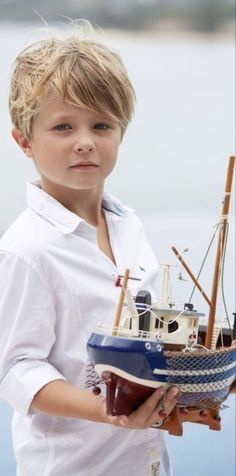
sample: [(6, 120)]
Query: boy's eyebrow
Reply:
[(60, 117), (71, 116)]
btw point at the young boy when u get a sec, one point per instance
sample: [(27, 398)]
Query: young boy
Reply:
[(70, 103)]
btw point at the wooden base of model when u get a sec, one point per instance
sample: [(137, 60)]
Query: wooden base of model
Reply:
[(174, 422)]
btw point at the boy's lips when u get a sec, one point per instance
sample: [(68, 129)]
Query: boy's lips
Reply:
[(84, 165)]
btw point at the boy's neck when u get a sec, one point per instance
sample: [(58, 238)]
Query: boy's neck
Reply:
[(87, 204)]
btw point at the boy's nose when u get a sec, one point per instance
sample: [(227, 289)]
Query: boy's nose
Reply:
[(83, 148), (84, 145)]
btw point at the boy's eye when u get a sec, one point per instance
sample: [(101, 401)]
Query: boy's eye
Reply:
[(102, 126), (62, 127)]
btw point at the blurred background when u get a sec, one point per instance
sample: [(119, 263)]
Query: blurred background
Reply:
[(155, 15), (180, 55)]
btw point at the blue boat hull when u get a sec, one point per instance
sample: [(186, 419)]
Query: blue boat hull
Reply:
[(133, 368)]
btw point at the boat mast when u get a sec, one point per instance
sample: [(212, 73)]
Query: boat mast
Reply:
[(194, 279), (220, 251), (121, 302)]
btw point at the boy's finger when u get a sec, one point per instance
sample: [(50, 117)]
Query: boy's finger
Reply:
[(150, 404), (171, 395), (169, 401)]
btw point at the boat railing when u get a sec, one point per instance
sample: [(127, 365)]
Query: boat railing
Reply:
[(119, 331)]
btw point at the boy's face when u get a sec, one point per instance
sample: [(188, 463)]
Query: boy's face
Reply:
[(73, 148)]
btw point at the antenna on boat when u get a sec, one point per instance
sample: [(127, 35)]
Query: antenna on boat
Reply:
[(220, 250), (165, 292)]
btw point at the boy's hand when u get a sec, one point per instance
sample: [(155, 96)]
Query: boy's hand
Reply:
[(59, 398), (154, 410)]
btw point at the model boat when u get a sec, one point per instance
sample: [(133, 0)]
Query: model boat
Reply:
[(162, 345)]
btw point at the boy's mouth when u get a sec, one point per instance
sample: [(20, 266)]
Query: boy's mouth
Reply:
[(84, 165)]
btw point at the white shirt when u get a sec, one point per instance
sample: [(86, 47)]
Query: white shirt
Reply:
[(55, 286)]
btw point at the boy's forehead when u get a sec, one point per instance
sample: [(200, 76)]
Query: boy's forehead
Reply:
[(56, 104), (56, 107)]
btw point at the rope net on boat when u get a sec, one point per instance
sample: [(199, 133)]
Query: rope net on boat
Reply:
[(204, 380), (92, 378)]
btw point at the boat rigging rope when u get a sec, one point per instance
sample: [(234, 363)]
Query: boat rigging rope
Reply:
[(223, 268), (205, 233), (204, 258), (151, 308)]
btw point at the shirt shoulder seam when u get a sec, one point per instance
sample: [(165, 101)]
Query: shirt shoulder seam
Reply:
[(30, 263)]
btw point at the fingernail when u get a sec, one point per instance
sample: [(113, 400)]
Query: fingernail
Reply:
[(123, 420), (162, 414), (175, 392)]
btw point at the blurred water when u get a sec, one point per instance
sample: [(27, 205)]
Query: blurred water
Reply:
[(172, 169), (203, 452)]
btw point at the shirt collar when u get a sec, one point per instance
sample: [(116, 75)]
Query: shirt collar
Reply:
[(67, 221), (114, 205)]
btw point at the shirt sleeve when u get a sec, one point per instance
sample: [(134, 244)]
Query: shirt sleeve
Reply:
[(27, 333)]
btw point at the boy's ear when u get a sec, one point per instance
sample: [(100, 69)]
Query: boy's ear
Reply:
[(23, 142)]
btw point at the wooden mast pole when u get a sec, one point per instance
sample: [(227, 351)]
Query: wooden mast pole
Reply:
[(121, 302), (219, 251), (194, 279)]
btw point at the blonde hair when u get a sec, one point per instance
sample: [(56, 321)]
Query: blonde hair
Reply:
[(81, 71)]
